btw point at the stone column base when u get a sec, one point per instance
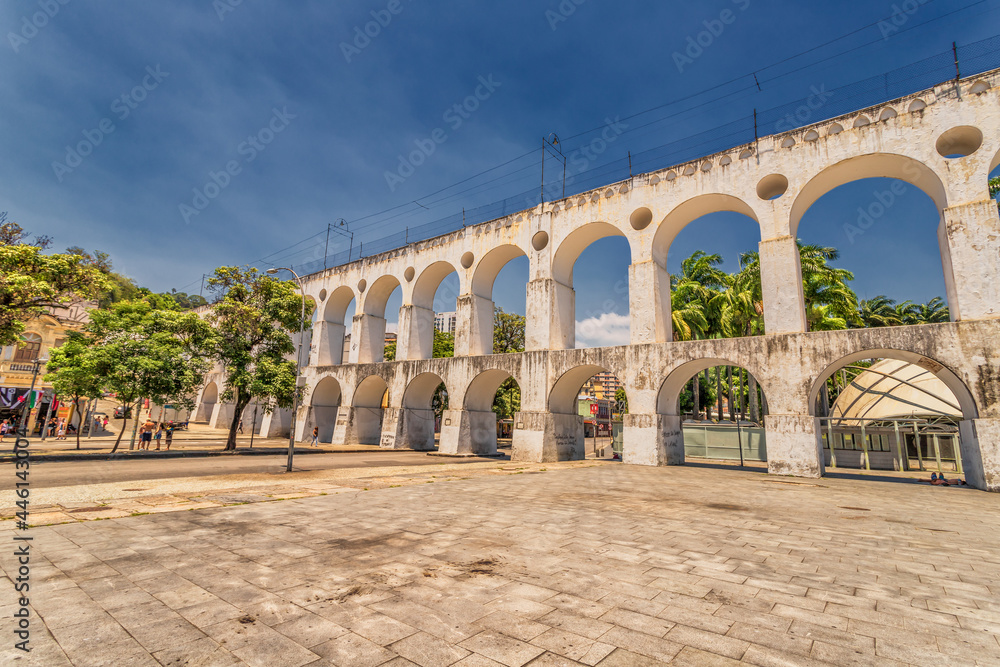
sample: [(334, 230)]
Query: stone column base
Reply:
[(980, 447), (653, 440), (357, 426), (222, 416), (275, 423), (543, 437), (468, 432), (793, 446), (408, 428)]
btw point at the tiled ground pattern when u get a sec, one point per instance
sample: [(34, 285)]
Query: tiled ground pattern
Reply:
[(607, 565)]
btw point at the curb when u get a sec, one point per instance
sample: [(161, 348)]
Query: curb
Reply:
[(135, 455)]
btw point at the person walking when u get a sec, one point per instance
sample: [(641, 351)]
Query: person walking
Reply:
[(61, 430), (169, 436), (158, 434), (315, 438), (4, 428), (105, 425)]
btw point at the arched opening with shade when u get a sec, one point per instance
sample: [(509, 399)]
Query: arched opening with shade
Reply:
[(706, 253), (209, 397), (424, 401), (334, 324), (872, 245), (372, 332), (486, 419), (499, 285), (894, 410), (370, 399), (588, 403), (324, 406), (433, 308), (602, 319), (721, 408)]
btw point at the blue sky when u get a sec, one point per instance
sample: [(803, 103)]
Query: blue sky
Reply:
[(261, 105)]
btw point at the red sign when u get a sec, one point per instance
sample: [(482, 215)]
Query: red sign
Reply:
[(593, 408)]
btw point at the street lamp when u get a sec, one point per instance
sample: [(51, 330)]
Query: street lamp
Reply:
[(298, 359)]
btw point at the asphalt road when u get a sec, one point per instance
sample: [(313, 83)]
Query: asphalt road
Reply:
[(70, 473)]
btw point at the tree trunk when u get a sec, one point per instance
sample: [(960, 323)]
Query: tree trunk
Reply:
[(76, 409), (697, 406), (121, 431), (708, 406), (754, 412), (732, 403), (241, 404), (718, 390)]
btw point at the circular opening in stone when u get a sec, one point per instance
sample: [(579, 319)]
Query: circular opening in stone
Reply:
[(539, 240), (467, 260), (362, 284), (322, 295), (959, 141), (772, 187), (409, 273), (640, 218)]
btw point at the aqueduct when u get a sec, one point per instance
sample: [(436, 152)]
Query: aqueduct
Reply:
[(944, 141)]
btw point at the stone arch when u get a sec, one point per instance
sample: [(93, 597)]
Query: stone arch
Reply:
[(209, 397), (367, 405), (951, 379), (377, 294), (331, 327), (687, 212), (489, 267), (415, 423), (871, 165), (428, 282), (994, 163), (575, 243), (483, 388), (324, 407), (668, 396), (565, 390)]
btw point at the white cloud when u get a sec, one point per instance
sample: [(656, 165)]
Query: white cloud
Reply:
[(603, 331)]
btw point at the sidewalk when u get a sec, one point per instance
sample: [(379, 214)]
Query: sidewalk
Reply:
[(199, 440)]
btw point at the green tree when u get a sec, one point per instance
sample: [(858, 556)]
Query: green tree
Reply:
[(252, 324), (32, 282), (508, 332), (830, 303), (72, 374), (137, 351), (12, 233), (622, 399), (932, 312), (995, 189), (879, 311), (444, 346)]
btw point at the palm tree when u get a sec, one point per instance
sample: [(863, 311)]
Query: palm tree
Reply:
[(907, 312), (741, 305), (878, 311), (687, 310), (932, 312), (825, 289)]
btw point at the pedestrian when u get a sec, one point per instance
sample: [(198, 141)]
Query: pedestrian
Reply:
[(158, 435), (4, 427), (169, 437), (52, 427), (105, 426), (61, 430), (147, 434), (239, 427), (315, 438)]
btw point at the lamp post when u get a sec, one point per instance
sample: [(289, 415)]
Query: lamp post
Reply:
[(298, 359), (26, 410)]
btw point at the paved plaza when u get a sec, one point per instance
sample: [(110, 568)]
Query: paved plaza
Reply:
[(587, 563)]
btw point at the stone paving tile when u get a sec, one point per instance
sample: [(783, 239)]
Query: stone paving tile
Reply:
[(600, 565)]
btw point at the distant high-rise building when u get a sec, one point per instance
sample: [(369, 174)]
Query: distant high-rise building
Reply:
[(446, 322)]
